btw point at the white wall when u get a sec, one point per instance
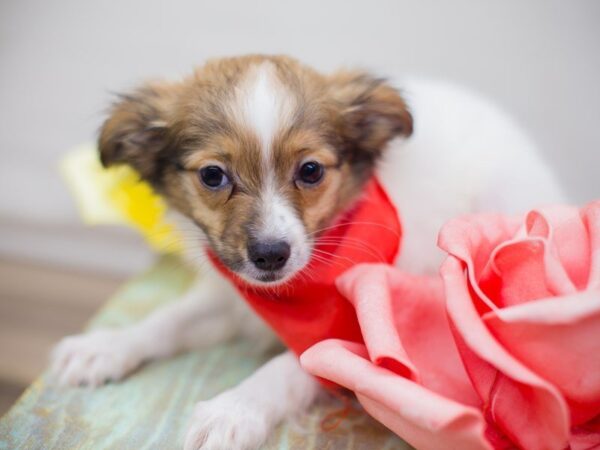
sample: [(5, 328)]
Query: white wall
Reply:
[(59, 61)]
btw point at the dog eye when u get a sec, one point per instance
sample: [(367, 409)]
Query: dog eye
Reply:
[(213, 177), (311, 172)]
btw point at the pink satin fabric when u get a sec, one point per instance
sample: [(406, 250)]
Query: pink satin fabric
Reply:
[(501, 351)]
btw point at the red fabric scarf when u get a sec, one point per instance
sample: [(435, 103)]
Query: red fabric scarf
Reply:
[(308, 308)]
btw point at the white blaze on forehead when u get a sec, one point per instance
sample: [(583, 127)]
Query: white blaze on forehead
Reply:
[(264, 105), (278, 220)]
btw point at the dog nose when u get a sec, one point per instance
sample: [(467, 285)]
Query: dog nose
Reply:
[(269, 255)]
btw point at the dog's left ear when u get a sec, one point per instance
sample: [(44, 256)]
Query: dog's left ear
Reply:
[(369, 113)]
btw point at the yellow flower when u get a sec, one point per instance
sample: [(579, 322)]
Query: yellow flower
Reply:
[(117, 195)]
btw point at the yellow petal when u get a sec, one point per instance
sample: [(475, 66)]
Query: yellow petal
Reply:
[(117, 195)]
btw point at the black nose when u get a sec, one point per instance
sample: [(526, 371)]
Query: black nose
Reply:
[(269, 255)]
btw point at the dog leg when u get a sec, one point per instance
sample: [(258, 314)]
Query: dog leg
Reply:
[(244, 416), (202, 317)]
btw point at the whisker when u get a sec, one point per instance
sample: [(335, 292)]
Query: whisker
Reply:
[(323, 252), (326, 261), (353, 244), (341, 224)]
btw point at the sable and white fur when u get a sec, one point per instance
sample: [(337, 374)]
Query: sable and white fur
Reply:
[(465, 155)]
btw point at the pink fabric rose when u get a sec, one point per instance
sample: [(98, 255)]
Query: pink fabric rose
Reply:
[(503, 350)]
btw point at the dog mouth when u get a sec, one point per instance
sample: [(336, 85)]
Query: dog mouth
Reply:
[(264, 278), (270, 277)]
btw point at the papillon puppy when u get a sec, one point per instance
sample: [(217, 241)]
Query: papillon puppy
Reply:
[(255, 155)]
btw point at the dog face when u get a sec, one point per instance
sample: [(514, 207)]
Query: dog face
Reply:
[(260, 152)]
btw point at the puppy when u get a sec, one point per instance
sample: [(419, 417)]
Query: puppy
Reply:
[(255, 155)]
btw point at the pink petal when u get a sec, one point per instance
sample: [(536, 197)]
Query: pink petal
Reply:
[(423, 418), (525, 270), (472, 239), (566, 232), (586, 437), (367, 288), (591, 218), (520, 267), (506, 385), (475, 237), (559, 339), (404, 324)]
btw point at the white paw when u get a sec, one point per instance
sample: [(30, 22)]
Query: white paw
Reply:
[(95, 358), (227, 421)]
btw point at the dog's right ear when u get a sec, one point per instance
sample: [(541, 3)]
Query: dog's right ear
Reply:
[(137, 129)]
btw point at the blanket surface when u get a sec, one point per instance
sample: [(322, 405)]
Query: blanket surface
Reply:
[(150, 409)]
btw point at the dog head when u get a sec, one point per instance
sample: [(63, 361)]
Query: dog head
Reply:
[(260, 152)]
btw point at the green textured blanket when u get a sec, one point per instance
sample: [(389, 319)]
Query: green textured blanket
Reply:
[(150, 409)]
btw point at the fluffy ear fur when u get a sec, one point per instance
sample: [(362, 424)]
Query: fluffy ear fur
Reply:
[(370, 113), (137, 129)]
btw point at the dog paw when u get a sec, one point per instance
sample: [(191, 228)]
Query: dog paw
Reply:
[(227, 422), (95, 358)]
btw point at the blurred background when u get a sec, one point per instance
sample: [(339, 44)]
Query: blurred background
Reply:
[(61, 60)]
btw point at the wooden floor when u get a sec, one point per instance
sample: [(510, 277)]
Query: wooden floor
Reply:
[(39, 305)]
